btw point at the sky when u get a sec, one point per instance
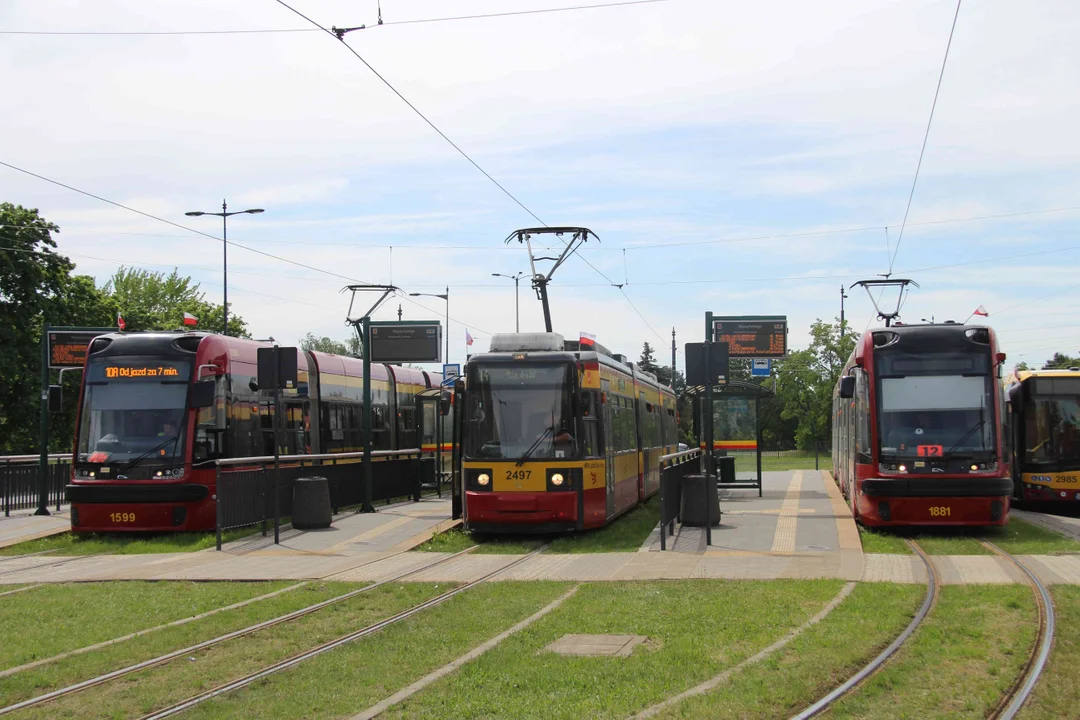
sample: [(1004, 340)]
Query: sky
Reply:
[(738, 158)]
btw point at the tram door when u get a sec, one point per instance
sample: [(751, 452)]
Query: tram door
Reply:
[(609, 456)]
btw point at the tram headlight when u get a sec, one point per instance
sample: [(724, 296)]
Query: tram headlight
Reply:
[(974, 468), (557, 479), (902, 468), (483, 479)]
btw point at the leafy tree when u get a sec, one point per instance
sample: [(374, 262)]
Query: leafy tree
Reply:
[(1021, 366), (350, 347), (806, 381), (1061, 361), (156, 301), (37, 287), (648, 359)]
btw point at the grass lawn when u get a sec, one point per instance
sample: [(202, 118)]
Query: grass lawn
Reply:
[(695, 628), (60, 617), (124, 543), (959, 663), (817, 661), (456, 540), (356, 676), (69, 670), (1057, 694), (141, 692), (1018, 537), (747, 462), (624, 535)]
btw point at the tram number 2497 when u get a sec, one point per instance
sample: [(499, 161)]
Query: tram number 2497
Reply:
[(122, 517), (940, 511)]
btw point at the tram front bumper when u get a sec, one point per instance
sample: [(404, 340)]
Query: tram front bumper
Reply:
[(522, 511)]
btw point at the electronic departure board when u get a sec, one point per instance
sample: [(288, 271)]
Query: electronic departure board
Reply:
[(398, 342), (752, 337), (67, 348)]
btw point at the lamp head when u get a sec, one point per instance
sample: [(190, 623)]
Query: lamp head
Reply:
[(195, 213), (254, 211)]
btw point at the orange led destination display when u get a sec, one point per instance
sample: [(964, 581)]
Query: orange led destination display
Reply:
[(162, 372), (752, 337)]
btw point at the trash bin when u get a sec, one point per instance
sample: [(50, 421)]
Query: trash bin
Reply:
[(311, 503), (695, 509), (725, 469)]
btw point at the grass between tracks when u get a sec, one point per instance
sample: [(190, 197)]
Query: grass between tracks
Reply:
[(695, 628), (67, 671), (1057, 695), (69, 543), (626, 534), (1018, 537), (959, 663), (59, 617), (142, 692), (814, 663)]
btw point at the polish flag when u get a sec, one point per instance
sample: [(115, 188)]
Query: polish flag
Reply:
[(981, 311), (468, 338), (190, 320), (586, 339), (120, 322)]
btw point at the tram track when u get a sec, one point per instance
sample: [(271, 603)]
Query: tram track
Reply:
[(1021, 690), (10, 572), (242, 632), (331, 645), (874, 666)]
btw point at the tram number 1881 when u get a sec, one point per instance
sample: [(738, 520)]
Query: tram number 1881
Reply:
[(940, 511)]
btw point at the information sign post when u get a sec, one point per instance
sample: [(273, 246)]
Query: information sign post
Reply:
[(61, 348)]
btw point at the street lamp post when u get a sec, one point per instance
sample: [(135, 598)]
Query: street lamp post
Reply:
[(517, 314), (445, 297), (224, 215)]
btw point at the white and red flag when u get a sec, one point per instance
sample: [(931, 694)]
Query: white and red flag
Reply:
[(586, 339), (120, 322), (190, 320), (468, 338), (981, 311)]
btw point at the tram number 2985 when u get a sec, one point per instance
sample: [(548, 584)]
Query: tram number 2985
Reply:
[(940, 511), (122, 517)]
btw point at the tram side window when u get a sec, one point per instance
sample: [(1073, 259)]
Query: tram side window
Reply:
[(862, 414), (590, 424)]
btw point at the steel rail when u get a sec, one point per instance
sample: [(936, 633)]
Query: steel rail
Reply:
[(1021, 690), (326, 647), (162, 659), (878, 662)]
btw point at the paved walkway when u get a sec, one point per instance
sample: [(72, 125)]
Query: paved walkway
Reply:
[(799, 528), (24, 525), (1068, 526)]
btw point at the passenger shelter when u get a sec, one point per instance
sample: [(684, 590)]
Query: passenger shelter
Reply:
[(736, 427)]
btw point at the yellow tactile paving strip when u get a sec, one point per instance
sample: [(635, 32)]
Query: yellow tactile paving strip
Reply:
[(788, 522)]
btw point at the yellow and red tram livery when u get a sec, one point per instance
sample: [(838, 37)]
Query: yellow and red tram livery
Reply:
[(559, 437), (917, 427), (1044, 429), (156, 410)]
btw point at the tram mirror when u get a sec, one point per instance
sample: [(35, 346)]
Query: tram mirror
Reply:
[(847, 386), (254, 386), (203, 393), (56, 398), (444, 404)]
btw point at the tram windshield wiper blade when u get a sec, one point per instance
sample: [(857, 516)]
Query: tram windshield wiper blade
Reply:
[(536, 444), (154, 449), (966, 435)]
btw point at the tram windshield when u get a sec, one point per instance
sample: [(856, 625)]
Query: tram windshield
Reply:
[(133, 409), (520, 411), (932, 412), (1052, 433)]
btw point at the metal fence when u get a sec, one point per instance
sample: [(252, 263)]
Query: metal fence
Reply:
[(675, 467), (20, 480), (250, 492)]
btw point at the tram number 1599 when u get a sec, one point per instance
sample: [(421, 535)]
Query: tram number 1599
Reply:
[(122, 517), (940, 511)]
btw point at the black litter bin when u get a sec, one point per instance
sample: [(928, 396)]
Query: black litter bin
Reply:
[(694, 508), (725, 468), (311, 503)]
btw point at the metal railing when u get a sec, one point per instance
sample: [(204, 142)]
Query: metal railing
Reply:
[(20, 480), (250, 492), (674, 468)]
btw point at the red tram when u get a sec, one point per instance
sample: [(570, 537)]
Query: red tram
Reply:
[(156, 409), (559, 437), (917, 427)]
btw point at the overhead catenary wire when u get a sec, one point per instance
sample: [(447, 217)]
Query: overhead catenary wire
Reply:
[(926, 136), (258, 31)]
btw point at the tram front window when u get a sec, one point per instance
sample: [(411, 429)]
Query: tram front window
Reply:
[(936, 415), (1052, 433), (133, 409), (519, 411)]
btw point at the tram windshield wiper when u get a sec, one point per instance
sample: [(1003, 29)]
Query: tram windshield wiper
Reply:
[(978, 424), (535, 445), (154, 449)]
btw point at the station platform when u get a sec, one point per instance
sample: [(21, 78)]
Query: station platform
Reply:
[(24, 525)]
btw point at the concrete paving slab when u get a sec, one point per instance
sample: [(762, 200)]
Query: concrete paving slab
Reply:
[(1067, 526), (596, 645), (977, 570), (907, 569), (24, 526), (1054, 569)]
